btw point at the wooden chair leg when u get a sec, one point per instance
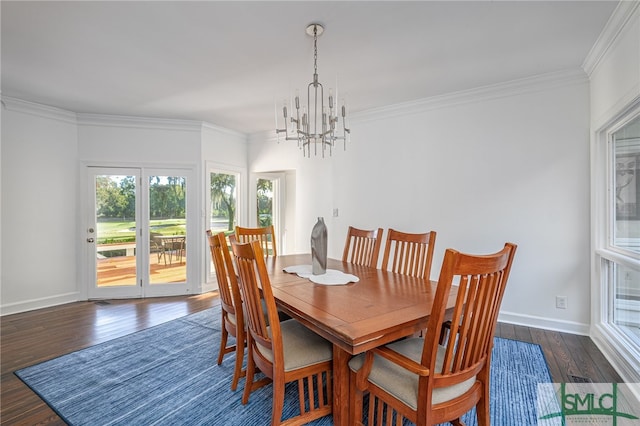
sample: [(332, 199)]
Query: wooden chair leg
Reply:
[(278, 403), (482, 408), (237, 370), (248, 383), (223, 342)]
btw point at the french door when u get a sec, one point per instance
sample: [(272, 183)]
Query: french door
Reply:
[(136, 232)]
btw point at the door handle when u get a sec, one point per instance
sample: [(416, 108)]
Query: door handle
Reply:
[(90, 240)]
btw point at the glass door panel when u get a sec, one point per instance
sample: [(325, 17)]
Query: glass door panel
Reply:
[(269, 204), (137, 232), (112, 232), (264, 192), (265, 203), (167, 229)]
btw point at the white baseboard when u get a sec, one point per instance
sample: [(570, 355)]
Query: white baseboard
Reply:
[(61, 299), (33, 304), (544, 323), (207, 287)]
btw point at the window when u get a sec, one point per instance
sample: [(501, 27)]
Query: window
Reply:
[(624, 201), (223, 196), (223, 206), (626, 157), (618, 235)]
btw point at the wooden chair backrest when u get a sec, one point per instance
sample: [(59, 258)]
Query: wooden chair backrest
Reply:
[(410, 254), (362, 247), (263, 324), (266, 236), (482, 281), (230, 298)]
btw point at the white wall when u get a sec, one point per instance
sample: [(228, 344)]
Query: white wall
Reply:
[(137, 140), (506, 163), (224, 146), (43, 152), (614, 65), (39, 208), (312, 185)]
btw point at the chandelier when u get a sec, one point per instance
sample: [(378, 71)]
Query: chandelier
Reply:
[(317, 123)]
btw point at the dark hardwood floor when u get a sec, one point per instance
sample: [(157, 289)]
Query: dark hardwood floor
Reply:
[(32, 337)]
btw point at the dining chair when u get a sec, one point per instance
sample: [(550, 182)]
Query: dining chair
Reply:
[(178, 244), (427, 383), (283, 351), (266, 236), (231, 303), (362, 247), (409, 254), (158, 246)]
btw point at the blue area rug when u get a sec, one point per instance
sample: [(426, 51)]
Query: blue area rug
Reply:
[(167, 375)]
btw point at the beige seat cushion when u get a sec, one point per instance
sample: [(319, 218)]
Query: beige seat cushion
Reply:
[(403, 384), (302, 347), (232, 319)]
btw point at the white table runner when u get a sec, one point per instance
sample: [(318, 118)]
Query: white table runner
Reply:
[(331, 277)]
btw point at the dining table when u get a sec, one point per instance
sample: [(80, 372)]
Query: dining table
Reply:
[(173, 243), (379, 308)]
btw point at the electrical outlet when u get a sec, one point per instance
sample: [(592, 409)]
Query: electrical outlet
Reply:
[(335, 212), (561, 302)]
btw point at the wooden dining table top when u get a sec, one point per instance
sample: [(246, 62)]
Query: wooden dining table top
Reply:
[(378, 309), (381, 307)]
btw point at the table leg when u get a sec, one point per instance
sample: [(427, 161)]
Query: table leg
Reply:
[(340, 386)]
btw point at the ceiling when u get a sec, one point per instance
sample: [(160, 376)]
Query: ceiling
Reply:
[(228, 63)]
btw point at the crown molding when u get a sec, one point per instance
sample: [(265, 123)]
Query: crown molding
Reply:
[(152, 123), (510, 88), (495, 91), (54, 113), (263, 136), (40, 110), (102, 120), (615, 25), (219, 129)]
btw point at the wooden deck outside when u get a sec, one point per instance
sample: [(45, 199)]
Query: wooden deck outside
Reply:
[(121, 270)]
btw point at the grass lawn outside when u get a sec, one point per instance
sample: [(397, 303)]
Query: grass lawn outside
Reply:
[(112, 232)]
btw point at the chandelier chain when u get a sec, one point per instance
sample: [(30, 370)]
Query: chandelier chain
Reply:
[(315, 50)]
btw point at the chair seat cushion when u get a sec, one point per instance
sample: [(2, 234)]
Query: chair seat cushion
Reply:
[(232, 319), (301, 346), (402, 383)]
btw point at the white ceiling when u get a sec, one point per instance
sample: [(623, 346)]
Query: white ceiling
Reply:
[(227, 63)]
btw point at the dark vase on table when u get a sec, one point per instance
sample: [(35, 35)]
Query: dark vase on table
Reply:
[(319, 248)]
